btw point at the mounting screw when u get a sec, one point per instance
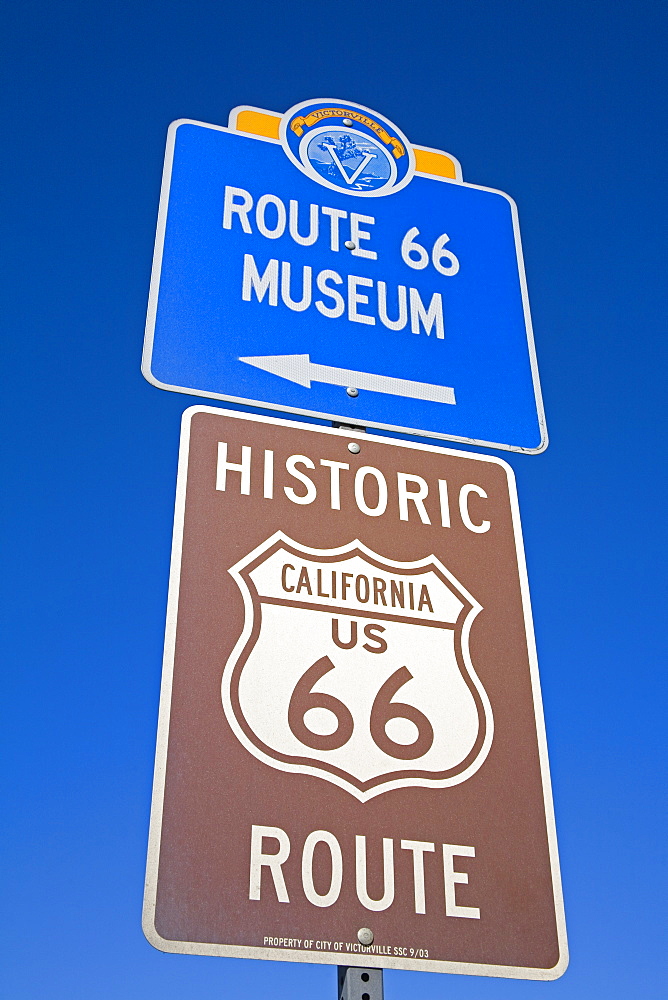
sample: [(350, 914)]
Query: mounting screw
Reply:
[(352, 392), (365, 934), (355, 449), (349, 245), (347, 122)]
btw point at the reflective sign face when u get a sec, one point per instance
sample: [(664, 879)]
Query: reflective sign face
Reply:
[(318, 262), (350, 728)]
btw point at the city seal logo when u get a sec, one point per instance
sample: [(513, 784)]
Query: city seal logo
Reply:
[(355, 669), (347, 147)]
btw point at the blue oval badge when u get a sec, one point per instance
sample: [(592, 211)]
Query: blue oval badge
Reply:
[(347, 147)]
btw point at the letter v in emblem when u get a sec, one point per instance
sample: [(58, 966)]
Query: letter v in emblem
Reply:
[(350, 178)]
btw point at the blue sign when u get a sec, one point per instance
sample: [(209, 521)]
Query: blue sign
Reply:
[(320, 264)]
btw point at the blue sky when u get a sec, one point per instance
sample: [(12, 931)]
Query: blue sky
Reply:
[(559, 104)]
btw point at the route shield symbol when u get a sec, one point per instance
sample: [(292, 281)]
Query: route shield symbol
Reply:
[(356, 668)]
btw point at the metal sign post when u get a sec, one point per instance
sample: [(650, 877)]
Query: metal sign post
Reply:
[(359, 984)]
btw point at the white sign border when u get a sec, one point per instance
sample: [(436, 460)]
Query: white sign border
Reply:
[(151, 314), (363, 957)]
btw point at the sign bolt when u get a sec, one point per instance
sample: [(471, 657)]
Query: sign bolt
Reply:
[(364, 934), (349, 245), (348, 122), (352, 392), (355, 449)]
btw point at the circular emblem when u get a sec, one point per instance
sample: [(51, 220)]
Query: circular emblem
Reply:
[(347, 147)]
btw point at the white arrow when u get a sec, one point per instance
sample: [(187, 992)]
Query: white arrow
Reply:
[(299, 368)]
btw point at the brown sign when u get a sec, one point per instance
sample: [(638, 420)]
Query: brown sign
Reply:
[(351, 734)]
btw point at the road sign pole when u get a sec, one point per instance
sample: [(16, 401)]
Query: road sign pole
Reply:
[(359, 984)]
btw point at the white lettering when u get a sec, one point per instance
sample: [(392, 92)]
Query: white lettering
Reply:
[(314, 225), (464, 494), (418, 847), (230, 207), (268, 474), (334, 481), (260, 209), (355, 299), (259, 860), (305, 301), (244, 468), (438, 253), (279, 852), (335, 214), (333, 305), (434, 315), (403, 479), (360, 476), (373, 501), (452, 878), (310, 891), (357, 234), (332, 312), (445, 503), (253, 281), (392, 324), (291, 467), (388, 875)]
